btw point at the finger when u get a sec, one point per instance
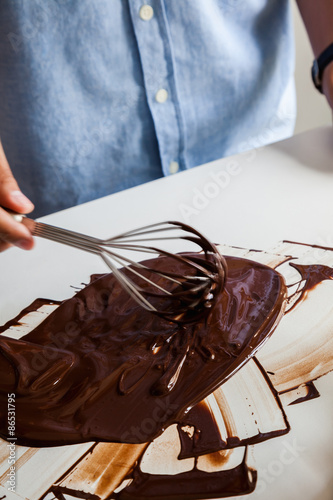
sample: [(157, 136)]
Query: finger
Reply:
[(11, 197), (10, 194), (15, 233)]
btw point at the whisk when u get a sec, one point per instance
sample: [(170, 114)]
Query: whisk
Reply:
[(181, 287)]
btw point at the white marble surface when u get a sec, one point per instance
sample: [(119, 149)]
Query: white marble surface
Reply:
[(282, 191)]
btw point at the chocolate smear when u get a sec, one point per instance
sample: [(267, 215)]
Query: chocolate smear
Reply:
[(101, 368)]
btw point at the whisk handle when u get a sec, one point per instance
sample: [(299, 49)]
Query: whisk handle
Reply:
[(59, 235)]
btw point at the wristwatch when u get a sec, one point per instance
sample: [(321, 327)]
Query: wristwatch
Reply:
[(319, 65)]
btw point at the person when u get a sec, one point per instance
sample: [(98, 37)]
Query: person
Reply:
[(100, 96)]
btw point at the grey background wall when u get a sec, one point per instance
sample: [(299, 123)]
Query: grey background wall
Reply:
[(312, 109)]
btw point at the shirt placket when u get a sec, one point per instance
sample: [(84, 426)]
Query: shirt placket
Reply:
[(160, 80)]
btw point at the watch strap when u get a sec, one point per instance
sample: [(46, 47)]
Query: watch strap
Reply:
[(320, 64)]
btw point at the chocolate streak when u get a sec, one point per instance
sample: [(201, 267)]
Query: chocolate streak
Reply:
[(205, 436), (312, 275), (311, 392), (192, 485), (102, 368)]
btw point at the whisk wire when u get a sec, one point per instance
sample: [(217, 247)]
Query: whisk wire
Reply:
[(188, 289)]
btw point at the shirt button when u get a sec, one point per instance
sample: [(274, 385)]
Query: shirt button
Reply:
[(146, 12), (161, 95), (173, 167)]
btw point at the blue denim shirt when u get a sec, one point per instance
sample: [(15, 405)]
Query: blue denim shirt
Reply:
[(98, 96)]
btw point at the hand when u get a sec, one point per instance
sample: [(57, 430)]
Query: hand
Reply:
[(12, 232), (327, 83)]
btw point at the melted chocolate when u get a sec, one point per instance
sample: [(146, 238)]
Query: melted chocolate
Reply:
[(199, 433), (311, 392), (312, 275), (102, 368), (192, 485)]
